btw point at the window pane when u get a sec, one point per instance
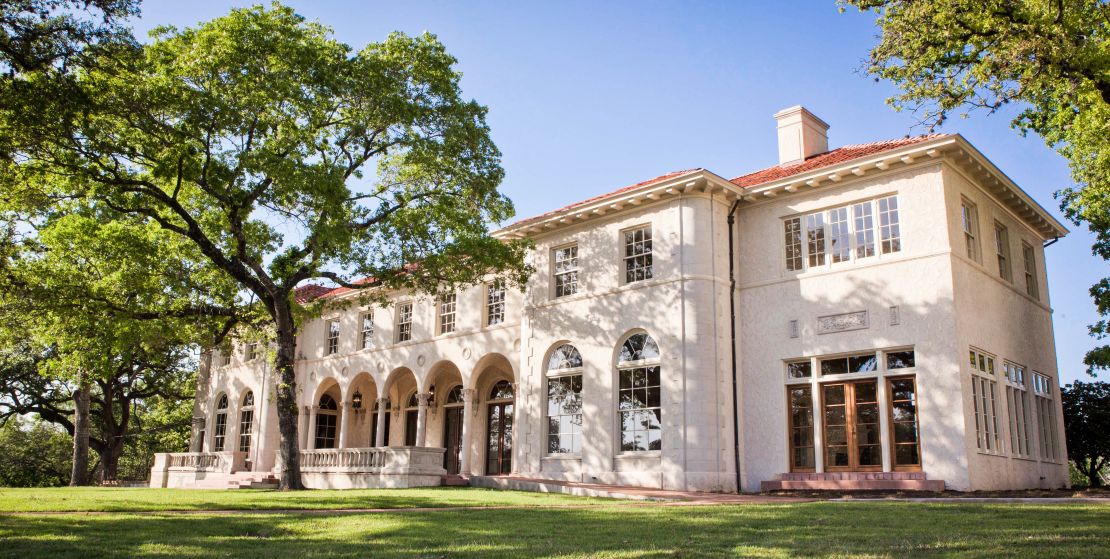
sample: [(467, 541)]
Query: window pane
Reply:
[(865, 230), (815, 239), (902, 359), (793, 231), (889, 229), (834, 366), (799, 369), (838, 235)]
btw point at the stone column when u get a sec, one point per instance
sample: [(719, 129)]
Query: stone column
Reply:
[(196, 443), (200, 402), (344, 415), (470, 407), (421, 417), (302, 427), (311, 429), (379, 433)]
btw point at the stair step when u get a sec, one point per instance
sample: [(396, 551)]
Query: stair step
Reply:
[(855, 485), (456, 481)]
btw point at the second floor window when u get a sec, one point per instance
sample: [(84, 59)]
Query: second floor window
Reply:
[(841, 234), (1029, 256), (969, 218), (367, 333), (566, 271), (495, 304), (447, 314), (252, 351), (637, 254), (333, 336), (404, 322), (1002, 248)]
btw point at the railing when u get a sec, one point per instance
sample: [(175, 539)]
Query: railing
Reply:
[(223, 462), (411, 460)]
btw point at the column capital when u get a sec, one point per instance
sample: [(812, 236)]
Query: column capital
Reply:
[(422, 398), (382, 402)]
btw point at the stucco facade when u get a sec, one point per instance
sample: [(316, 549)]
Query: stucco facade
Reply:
[(812, 324)]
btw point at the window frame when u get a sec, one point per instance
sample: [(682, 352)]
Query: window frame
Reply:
[(969, 224), (559, 374), (497, 307), (1002, 252), (446, 313), (331, 336), (892, 424), (556, 274), (791, 427), (219, 423), (989, 438), (1029, 263), (632, 366), (246, 424), (647, 241), (366, 335), (868, 228), (402, 322)]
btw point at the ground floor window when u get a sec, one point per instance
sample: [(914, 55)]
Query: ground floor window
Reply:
[(906, 449), (1046, 416), (326, 422), (412, 420), (219, 432), (801, 429), (564, 414), (984, 395)]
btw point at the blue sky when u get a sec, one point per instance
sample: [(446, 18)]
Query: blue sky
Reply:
[(586, 97)]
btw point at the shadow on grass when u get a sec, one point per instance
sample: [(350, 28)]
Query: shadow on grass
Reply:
[(812, 529)]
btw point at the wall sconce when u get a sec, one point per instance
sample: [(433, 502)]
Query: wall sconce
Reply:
[(356, 400)]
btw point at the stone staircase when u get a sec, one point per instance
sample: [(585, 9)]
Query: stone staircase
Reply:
[(252, 480), (854, 481), (454, 480)]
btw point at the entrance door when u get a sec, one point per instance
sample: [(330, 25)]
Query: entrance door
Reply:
[(411, 422), (452, 439), (851, 418), (499, 448)]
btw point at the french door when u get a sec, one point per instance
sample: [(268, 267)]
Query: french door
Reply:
[(452, 438), (851, 422), (499, 439)]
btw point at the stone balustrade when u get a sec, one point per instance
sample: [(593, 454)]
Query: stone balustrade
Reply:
[(398, 460)]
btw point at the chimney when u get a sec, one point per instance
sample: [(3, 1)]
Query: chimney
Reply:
[(801, 135)]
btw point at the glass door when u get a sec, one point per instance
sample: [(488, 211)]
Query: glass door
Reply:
[(452, 438), (499, 450), (851, 422)]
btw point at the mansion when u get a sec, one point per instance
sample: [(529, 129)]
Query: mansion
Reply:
[(871, 316)]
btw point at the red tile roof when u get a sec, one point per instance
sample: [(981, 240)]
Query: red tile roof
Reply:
[(628, 188), (310, 292), (829, 158)]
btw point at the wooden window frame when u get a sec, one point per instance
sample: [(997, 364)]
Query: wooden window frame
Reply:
[(894, 466), (790, 428), (850, 426)]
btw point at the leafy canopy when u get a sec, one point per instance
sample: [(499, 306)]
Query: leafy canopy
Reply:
[(1052, 59), (1087, 426)]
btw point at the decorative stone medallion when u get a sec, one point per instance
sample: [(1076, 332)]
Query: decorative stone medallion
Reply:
[(420, 360), (842, 322), (466, 353)]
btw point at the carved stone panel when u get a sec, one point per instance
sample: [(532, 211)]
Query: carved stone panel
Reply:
[(843, 322)]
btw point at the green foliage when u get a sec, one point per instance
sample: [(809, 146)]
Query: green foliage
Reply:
[(36, 453), (1087, 426), (1050, 58), (41, 34)]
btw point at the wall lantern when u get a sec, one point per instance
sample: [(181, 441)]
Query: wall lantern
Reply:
[(356, 400)]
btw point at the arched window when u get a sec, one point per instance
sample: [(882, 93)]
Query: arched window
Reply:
[(455, 395), (326, 419), (503, 390), (219, 434), (638, 398), (246, 422), (565, 356), (564, 400)]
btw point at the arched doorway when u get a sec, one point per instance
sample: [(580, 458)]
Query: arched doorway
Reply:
[(326, 421), (412, 419), (499, 431), (452, 429)]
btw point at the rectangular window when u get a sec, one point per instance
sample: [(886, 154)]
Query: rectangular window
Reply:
[(1019, 434), (333, 336), (637, 254), (799, 369), (1046, 417), (970, 220), (1029, 256), (219, 435), (900, 359), (793, 230), (566, 271), (984, 393), (246, 424), (564, 414), (903, 423), (862, 363), (840, 249), (325, 429), (865, 230), (890, 232), (404, 322), (252, 351), (366, 340), (641, 413), (1002, 248), (446, 313), (802, 449), (815, 239), (225, 357), (495, 304)]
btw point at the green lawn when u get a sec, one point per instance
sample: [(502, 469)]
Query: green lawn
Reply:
[(84, 499), (602, 529)]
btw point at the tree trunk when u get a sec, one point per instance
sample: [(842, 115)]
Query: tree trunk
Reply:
[(109, 460), (1093, 477), (79, 475), (286, 391)]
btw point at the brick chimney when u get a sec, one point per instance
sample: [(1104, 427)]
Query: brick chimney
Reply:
[(801, 135)]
